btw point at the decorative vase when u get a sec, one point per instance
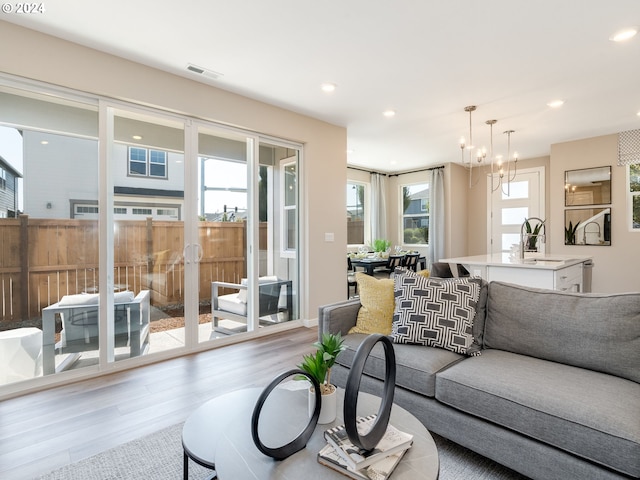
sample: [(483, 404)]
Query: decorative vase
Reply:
[(329, 407)]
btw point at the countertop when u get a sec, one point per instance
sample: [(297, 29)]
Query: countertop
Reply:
[(534, 261)]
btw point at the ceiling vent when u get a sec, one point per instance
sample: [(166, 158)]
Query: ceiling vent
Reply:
[(203, 71)]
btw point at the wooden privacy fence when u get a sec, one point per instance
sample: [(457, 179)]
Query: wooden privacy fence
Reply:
[(41, 260)]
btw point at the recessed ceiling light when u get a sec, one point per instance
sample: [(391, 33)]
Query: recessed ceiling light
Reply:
[(328, 87), (137, 137), (555, 103), (624, 34), (638, 114), (44, 142), (389, 113)]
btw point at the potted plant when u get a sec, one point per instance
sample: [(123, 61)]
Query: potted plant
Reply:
[(318, 366), (381, 246), (532, 234)]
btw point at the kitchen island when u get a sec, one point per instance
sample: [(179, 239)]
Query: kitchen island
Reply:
[(556, 272)]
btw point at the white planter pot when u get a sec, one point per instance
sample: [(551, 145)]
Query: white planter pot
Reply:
[(329, 407)]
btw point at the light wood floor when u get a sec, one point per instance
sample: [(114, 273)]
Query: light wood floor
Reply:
[(43, 431)]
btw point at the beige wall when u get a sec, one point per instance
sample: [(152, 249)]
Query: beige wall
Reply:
[(48, 59), (616, 266)]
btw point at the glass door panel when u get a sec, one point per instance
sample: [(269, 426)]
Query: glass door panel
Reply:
[(279, 231), (147, 170), (49, 254), (223, 210)]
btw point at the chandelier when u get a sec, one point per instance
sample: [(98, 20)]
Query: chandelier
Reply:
[(501, 175), (480, 156)]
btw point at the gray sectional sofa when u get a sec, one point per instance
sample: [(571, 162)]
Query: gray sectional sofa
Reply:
[(554, 394)]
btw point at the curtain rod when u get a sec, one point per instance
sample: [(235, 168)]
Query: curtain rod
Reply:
[(367, 171), (417, 171)]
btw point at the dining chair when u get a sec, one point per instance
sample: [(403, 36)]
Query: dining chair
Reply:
[(410, 261), (351, 279), (392, 262)]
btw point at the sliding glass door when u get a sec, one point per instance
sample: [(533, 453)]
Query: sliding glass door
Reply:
[(146, 202), (127, 231), (248, 232)]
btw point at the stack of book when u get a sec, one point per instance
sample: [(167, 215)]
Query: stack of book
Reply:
[(343, 456)]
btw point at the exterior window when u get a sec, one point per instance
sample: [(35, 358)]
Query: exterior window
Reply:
[(80, 209), (147, 163), (120, 210), (415, 213), (141, 211), (167, 211), (355, 213), (3, 179), (633, 174), (157, 163), (289, 206)]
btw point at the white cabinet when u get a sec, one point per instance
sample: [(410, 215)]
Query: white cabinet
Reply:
[(550, 272), (569, 279)]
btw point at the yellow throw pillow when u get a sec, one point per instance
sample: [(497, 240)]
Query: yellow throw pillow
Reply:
[(377, 300), (424, 273)]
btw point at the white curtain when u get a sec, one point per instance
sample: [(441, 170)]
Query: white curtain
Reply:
[(436, 216), (378, 206)]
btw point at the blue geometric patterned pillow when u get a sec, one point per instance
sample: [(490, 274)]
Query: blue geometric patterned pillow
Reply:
[(435, 313)]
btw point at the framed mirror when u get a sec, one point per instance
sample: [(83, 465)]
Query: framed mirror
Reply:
[(587, 226), (588, 186)]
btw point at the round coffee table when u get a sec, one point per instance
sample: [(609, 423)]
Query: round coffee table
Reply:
[(218, 435)]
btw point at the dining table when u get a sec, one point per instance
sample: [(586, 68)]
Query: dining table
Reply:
[(369, 264)]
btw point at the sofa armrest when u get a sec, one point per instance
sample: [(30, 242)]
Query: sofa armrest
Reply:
[(338, 317)]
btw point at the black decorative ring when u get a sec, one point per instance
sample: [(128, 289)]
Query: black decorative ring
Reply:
[(298, 443), (371, 439)]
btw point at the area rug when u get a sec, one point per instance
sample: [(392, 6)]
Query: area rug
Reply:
[(159, 456)]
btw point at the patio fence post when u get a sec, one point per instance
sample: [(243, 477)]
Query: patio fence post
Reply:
[(24, 267)]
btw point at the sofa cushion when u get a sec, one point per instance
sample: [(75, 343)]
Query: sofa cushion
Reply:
[(85, 299), (416, 365), (587, 413), (79, 299), (434, 313), (232, 303), (595, 331), (376, 297), (242, 293)]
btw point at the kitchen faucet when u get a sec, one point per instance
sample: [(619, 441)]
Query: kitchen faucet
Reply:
[(584, 231)]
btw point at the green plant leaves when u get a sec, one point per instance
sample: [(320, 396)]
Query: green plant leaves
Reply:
[(319, 365)]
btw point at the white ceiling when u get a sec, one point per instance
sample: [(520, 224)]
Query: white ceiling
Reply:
[(425, 59)]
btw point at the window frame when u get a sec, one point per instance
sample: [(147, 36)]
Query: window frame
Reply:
[(149, 162), (365, 214), (287, 250), (402, 215), (631, 196)]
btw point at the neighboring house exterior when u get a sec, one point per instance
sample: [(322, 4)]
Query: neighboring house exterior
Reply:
[(148, 182), (8, 190), (418, 210)]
